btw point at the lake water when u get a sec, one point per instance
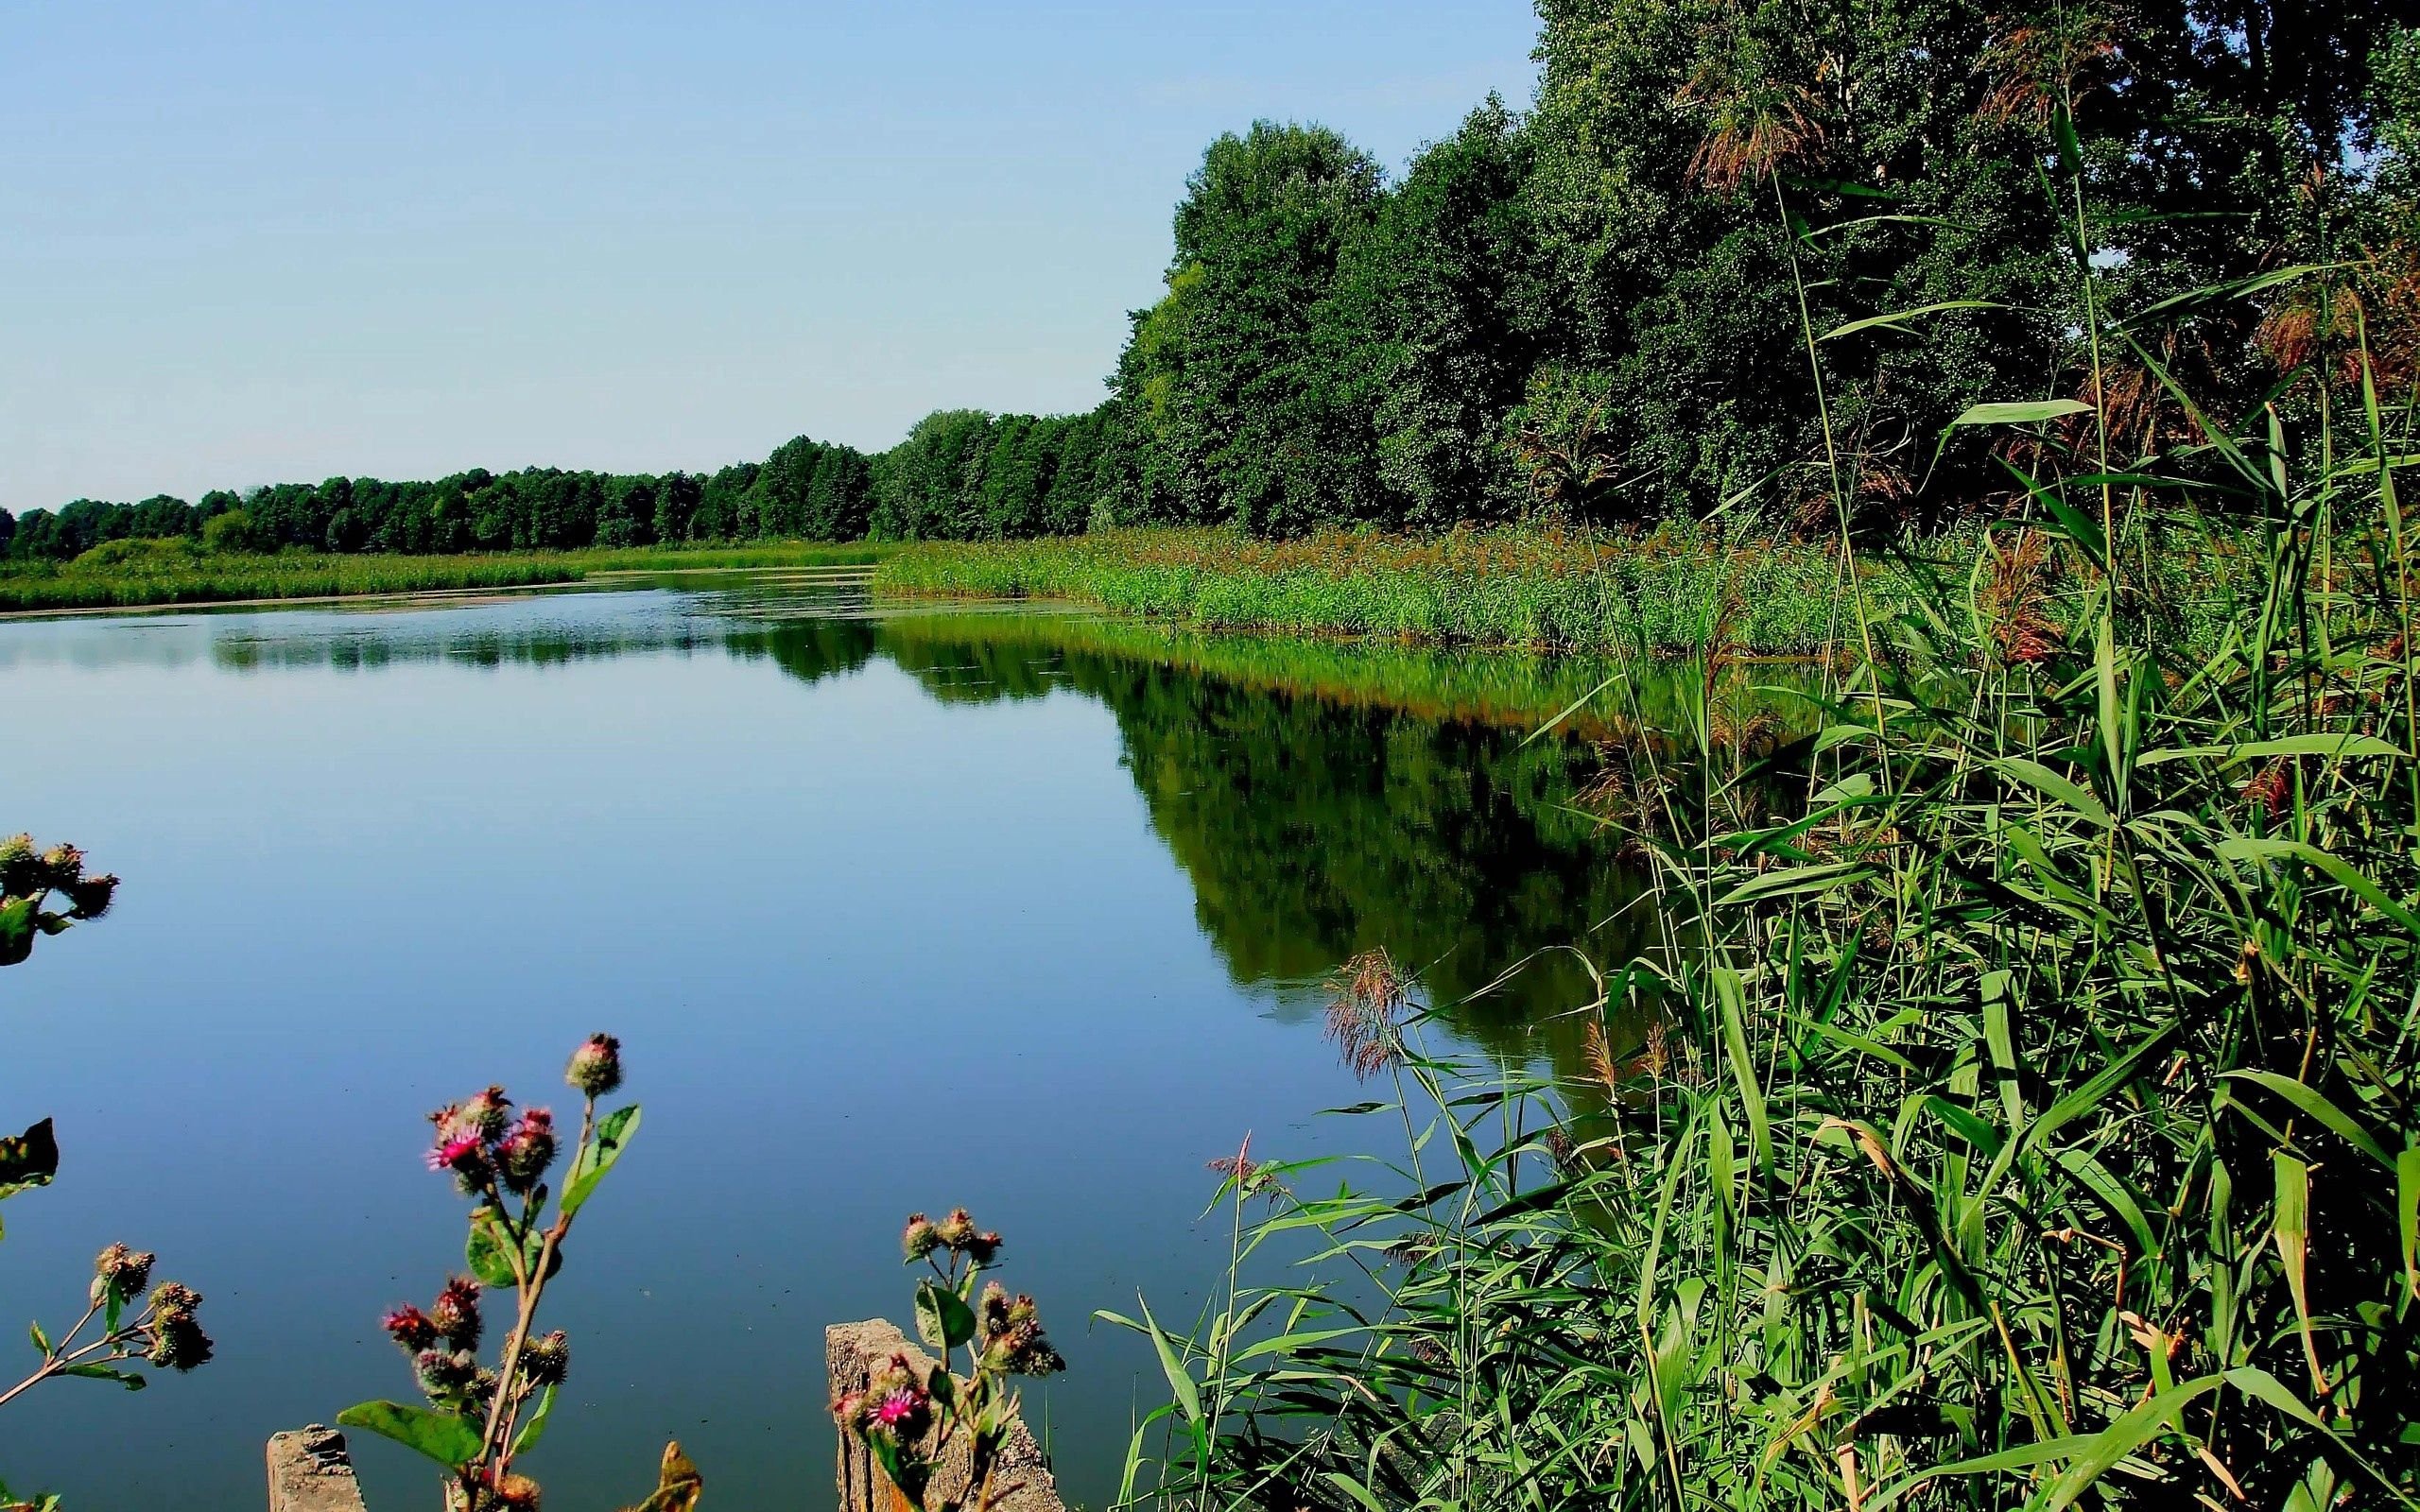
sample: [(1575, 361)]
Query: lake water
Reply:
[(1015, 908)]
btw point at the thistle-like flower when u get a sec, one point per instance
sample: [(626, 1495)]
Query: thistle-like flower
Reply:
[(177, 1340), (121, 1272), (524, 1154), (410, 1328), (1013, 1342), (894, 1404), (596, 1066), (456, 1313), (546, 1361), (921, 1238)]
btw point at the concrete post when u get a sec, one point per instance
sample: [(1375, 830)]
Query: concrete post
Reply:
[(1022, 1482), (312, 1471)]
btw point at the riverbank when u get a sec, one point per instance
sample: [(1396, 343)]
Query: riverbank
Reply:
[(137, 574), (1673, 589)]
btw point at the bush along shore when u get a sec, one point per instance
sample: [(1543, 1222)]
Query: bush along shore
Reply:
[(140, 572), (1675, 589)]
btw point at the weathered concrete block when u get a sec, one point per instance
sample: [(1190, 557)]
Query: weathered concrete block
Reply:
[(1022, 1482), (312, 1471)]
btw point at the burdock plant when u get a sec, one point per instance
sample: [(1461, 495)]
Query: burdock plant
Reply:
[(914, 1418), (164, 1330), (481, 1416)]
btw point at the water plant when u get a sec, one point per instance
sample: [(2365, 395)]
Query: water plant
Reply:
[(940, 1437), (481, 1417), (162, 1331), (2034, 1118)]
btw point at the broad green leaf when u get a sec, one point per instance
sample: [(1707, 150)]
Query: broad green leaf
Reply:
[(2291, 1227), (447, 1437), (2021, 412), (2050, 784), (28, 1159), (942, 1317), (2344, 746), (595, 1157), (2311, 1102), (2254, 848), (487, 1250), (16, 930), (1743, 1066), (2406, 1215), (101, 1372), (2125, 1435), (677, 1484), (1188, 1399), (1899, 318)]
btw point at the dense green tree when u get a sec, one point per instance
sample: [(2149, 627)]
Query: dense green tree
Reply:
[(1251, 378)]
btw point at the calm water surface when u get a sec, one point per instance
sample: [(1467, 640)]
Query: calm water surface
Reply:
[(1019, 909)]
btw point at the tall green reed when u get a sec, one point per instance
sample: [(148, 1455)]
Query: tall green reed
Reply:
[(2024, 1117)]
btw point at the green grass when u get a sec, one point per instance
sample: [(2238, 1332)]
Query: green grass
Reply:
[(133, 574), (1675, 589)]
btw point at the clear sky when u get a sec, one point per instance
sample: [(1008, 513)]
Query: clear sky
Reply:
[(242, 244)]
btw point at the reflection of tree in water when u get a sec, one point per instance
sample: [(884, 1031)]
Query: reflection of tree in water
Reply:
[(1323, 800), (1313, 830)]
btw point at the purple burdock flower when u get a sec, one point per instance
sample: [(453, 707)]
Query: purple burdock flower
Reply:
[(461, 1154), (596, 1067), (456, 1312), (896, 1408), (410, 1328), (523, 1155)]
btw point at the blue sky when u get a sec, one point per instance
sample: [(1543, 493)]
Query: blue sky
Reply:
[(252, 243)]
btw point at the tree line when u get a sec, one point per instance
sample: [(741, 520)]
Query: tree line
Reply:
[(1654, 291)]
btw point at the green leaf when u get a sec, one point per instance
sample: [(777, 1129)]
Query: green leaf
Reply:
[(101, 1372), (1354, 1489), (28, 1159), (2123, 1437), (535, 1428), (1743, 1067), (1188, 1399), (677, 1484), (16, 930), (487, 1251), (447, 1437), (943, 1319), (2021, 412), (2407, 1214), (2255, 848), (1899, 318), (2309, 1100), (597, 1155), (2050, 784), (42, 1340), (2339, 746)]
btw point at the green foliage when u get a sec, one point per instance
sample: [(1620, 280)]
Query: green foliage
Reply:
[(938, 1436), (478, 1419), (1676, 589), (2025, 1106), (169, 572), (1607, 288)]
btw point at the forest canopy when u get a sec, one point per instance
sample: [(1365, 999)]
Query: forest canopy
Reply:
[(1597, 306)]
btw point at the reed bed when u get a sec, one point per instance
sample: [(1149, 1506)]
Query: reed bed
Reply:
[(135, 574), (1678, 588), (2016, 1107)]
